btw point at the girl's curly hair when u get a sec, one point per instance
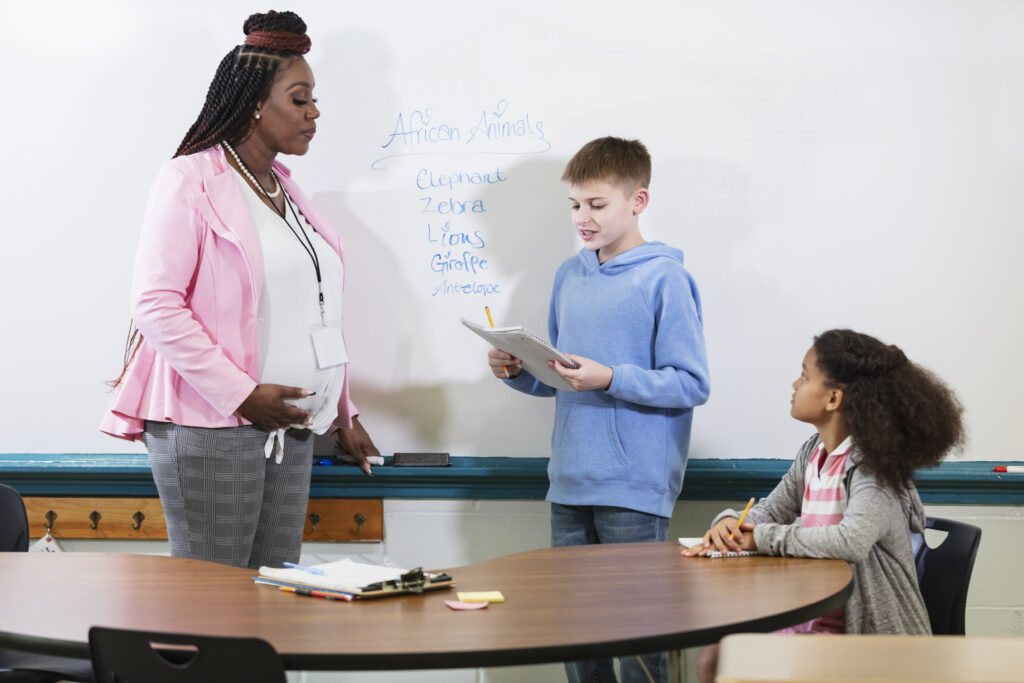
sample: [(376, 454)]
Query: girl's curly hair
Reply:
[(901, 416)]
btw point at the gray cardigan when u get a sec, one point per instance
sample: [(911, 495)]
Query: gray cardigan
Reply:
[(874, 537)]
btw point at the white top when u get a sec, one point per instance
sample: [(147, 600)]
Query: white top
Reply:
[(290, 312)]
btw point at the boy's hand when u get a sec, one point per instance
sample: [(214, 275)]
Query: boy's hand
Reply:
[(718, 536), (589, 375), (503, 365)]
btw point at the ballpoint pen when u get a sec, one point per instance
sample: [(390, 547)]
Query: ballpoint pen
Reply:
[(487, 310), (744, 515)]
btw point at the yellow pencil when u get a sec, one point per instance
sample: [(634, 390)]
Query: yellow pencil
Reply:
[(750, 503), (487, 310)]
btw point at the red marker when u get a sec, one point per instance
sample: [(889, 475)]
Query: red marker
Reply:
[(1009, 468)]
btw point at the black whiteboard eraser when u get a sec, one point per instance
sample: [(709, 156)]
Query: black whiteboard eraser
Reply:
[(421, 460)]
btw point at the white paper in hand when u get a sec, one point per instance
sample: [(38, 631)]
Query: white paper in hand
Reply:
[(529, 348)]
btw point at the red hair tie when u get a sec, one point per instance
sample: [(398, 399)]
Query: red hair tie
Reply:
[(279, 40)]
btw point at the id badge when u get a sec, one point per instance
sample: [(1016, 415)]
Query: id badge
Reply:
[(329, 345)]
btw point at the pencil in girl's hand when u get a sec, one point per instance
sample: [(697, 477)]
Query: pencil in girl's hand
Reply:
[(750, 503)]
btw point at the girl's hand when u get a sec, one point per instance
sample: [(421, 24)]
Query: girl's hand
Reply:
[(266, 409), (590, 375), (503, 365), (728, 536), (695, 551)]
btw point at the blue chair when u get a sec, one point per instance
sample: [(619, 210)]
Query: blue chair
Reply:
[(124, 656), (944, 574), (25, 666)]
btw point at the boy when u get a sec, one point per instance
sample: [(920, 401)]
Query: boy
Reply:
[(630, 314)]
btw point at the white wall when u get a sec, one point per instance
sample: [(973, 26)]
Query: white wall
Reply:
[(449, 533), (823, 164)]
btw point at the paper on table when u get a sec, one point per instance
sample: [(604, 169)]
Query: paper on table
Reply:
[(344, 575), (458, 605), (481, 596), (529, 348)]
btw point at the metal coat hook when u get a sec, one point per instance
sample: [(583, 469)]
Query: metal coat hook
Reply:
[(50, 517), (94, 517), (138, 517), (314, 519), (359, 519)]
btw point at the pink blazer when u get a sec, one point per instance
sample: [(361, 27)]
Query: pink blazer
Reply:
[(195, 298)]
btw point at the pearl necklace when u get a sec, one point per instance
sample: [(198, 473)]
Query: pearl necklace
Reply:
[(248, 174)]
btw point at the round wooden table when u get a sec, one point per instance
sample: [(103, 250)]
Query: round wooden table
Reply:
[(561, 604)]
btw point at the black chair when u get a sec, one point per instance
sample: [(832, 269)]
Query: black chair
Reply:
[(121, 656), (944, 574), (26, 666), (13, 522)]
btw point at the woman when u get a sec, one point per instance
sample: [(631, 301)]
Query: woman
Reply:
[(239, 356)]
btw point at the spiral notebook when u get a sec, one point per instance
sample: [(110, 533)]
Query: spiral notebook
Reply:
[(690, 542), (534, 351)]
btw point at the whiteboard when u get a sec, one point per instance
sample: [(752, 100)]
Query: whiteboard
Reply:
[(821, 164)]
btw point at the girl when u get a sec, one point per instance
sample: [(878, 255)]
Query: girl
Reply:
[(849, 494)]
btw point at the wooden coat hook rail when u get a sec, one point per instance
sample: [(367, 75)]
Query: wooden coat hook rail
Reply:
[(327, 519), (113, 518)]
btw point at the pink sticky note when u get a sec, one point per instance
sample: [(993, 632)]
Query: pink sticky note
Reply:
[(456, 605)]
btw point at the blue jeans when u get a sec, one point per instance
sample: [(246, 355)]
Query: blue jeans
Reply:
[(588, 524)]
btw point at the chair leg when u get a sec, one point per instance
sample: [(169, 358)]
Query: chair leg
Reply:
[(675, 668)]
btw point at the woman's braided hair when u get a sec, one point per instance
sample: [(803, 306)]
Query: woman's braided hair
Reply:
[(243, 79), (242, 82), (901, 416)]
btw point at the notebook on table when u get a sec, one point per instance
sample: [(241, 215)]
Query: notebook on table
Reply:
[(690, 542), (357, 579)]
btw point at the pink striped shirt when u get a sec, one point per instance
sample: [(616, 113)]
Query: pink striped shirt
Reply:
[(824, 493), (823, 505)]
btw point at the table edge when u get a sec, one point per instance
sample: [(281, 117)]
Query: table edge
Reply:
[(493, 657)]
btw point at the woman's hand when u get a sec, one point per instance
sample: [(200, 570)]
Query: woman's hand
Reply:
[(589, 375), (503, 365), (357, 443), (266, 409)]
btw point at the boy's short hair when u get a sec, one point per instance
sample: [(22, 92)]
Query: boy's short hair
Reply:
[(618, 161)]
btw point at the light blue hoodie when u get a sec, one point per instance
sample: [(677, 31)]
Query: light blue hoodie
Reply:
[(640, 314)]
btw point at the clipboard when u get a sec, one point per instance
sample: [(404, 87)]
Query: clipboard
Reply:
[(413, 581), (534, 351)]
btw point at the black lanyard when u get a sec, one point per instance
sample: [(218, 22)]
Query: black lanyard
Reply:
[(307, 244), (304, 240)]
